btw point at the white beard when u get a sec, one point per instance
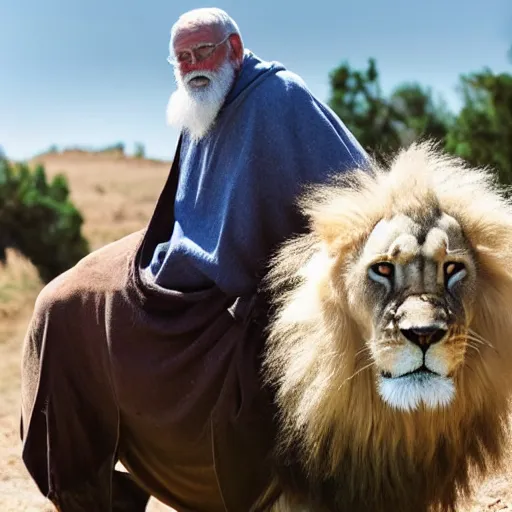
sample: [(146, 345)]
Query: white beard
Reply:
[(195, 109)]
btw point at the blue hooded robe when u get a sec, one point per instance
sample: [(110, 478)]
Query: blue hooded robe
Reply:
[(238, 186)]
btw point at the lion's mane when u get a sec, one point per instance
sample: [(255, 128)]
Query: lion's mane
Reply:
[(340, 447)]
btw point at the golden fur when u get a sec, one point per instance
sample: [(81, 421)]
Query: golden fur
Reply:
[(341, 446)]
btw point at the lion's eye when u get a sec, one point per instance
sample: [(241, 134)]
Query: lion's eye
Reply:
[(384, 269), (383, 273), (454, 271)]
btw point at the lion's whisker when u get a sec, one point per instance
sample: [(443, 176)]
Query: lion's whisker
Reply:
[(369, 365), (476, 349), (468, 337), (479, 336), (365, 348), (483, 343)]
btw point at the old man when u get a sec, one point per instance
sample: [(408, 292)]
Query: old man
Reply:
[(146, 352)]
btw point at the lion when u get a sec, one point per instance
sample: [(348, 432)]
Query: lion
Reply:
[(390, 345)]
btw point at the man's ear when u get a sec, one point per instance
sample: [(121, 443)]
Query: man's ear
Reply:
[(238, 50)]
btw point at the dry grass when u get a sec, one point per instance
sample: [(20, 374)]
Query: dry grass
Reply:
[(116, 196), (19, 285)]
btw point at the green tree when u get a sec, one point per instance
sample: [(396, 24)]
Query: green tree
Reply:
[(383, 124), (38, 219), (482, 132), (357, 98), (418, 115)]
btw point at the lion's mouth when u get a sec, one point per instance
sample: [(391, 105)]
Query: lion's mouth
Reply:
[(420, 386), (422, 371)]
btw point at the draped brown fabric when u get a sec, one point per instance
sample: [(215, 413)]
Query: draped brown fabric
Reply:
[(167, 382)]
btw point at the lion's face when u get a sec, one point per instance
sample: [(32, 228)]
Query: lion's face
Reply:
[(416, 296)]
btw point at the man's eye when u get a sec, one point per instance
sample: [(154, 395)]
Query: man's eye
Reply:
[(184, 57), (203, 52)]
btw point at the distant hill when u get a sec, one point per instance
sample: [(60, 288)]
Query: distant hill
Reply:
[(115, 193)]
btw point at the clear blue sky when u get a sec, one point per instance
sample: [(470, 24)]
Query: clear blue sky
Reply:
[(94, 72)]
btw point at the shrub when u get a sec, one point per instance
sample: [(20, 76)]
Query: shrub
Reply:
[(38, 219), (140, 151), (114, 148)]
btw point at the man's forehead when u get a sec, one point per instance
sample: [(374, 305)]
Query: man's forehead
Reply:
[(190, 34)]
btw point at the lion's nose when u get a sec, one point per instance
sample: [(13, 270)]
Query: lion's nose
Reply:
[(424, 336)]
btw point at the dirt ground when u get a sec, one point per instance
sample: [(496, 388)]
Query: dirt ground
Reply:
[(116, 196)]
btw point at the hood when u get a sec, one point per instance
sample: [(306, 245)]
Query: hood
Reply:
[(253, 71)]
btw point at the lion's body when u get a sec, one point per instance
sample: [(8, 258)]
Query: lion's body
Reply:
[(362, 427)]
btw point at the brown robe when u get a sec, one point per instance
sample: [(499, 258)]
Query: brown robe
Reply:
[(166, 382)]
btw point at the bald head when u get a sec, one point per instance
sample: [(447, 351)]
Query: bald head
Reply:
[(211, 17)]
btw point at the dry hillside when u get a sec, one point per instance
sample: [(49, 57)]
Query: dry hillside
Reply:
[(116, 196)]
